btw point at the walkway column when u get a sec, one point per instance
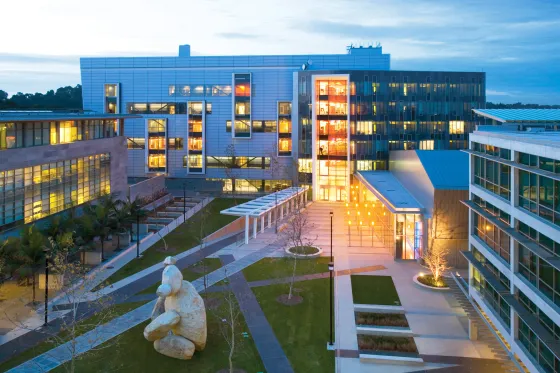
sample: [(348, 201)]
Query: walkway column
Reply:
[(255, 227), (281, 211), (262, 223), (270, 219), (246, 229)]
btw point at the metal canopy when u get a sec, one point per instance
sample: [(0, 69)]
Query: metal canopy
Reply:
[(520, 115), (262, 205)]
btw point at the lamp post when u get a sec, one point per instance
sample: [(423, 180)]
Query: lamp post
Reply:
[(331, 270), (46, 287), (137, 235), (184, 201)]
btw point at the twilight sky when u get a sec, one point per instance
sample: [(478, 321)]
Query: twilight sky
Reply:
[(516, 42)]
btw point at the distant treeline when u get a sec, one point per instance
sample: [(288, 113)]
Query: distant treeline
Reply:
[(64, 98), (70, 98)]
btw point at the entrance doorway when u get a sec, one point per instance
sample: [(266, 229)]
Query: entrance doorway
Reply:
[(324, 193)]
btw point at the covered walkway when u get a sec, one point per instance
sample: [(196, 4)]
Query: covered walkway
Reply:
[(272, 206)]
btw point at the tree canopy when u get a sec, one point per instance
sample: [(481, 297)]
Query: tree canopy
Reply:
[(64, 98)]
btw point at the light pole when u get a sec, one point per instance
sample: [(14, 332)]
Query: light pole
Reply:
[(137, 235), (46, 287), (184, 201), (331, 270)]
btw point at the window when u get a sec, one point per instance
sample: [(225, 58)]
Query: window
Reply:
[(243, 89), (110, 90), (208, 108), (156, 162), (171, 90), (456, 127), (270, 126), (176, 143), (185, 90), (136, 143), (258, 126), (195, 143), (284, 108), (494, 238), (242, 108), (228, 125), (284, 146), (156, 125), (195, 108), (221, 90), (156, 143), (68, 132), (195, 161), (492, 297), (284, 125), (492, 176), (197, 90)]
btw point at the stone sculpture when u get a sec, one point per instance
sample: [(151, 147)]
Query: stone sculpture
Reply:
[(178, 326)]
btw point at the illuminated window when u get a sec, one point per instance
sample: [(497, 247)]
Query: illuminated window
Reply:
[(243, 89), (176, 143), (195, 108), (284, 108), (197, 90), (156, 143), (456, 127), (284, 146), (136, 143), (195, 143), (284, 126), (184, 90), (221, 90), (195, 126), (242, 108), (427, 144), (156, 125), (156, 161), (171, 90), (195, 161), (68, 132), (305, 165), (110, 90)]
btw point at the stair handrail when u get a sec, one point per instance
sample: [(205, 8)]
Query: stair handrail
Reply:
[(475, 307)]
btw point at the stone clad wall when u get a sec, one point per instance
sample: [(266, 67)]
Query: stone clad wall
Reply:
[(147, 187)]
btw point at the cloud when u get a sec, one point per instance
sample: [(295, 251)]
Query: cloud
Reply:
[(237, 35), (491, 92)]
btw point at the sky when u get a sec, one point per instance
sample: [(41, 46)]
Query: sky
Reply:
[(516, 42)]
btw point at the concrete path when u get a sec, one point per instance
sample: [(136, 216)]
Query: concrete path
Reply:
[(270, 350), (87, 341)]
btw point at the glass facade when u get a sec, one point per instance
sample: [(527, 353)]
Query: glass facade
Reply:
[(494, 238), (27, 134), (156, 152), (493, 176), (31, 193), (196, 124), (242, 106), (540, 195), (284, 129)]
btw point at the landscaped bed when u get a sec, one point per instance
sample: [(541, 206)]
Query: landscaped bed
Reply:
[(378, 344), (374, 290), (381, 319), (270, 268), (428, 280), (183, 238)]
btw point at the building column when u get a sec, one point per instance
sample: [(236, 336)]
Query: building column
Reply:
[(262, 223), (246, 229), (269, 219), (281, 211), (473, 330), (255, 227)]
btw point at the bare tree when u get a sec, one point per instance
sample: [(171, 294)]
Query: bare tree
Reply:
[(229, 320), (232, 168), (82, 312), (296, 236), (442, 231)]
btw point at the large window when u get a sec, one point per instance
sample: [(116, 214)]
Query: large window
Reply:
[(540, 195), (157, 108), (31, 193), (492, 298), (494, 238), (492, 176), (541, 274), (537, 348)]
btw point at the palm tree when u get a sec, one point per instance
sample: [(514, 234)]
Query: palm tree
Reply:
[(101, 218), (135, 211), (121, 218), (30, 252)]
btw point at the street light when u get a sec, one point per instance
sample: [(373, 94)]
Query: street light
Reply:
[(46, 251), (184, 201), (137, 235), (331, 270)]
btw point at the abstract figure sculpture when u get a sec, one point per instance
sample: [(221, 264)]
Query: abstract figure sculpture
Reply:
[(178, 326)]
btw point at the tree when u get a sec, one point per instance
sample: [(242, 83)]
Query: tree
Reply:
[(30, 253), (68, 98), (441, 231), (101, 218), (231, 168), (228, 316), (135, 211), (296, 236)]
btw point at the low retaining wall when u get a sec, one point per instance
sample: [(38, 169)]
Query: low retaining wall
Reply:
[(233, 227), (385, 331), (147, 187), (378, 308), (390, 359)]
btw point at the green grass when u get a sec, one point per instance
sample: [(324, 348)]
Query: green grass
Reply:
[(302, 329), (270, 268), (84, 326), (135, 354), (211, 264), (183, 238), (374, 290)]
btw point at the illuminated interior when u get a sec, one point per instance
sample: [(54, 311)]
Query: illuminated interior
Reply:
[(332, 174)]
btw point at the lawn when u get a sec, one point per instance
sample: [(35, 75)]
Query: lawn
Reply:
[(45, 346), (183, 238), (269, 268), (302, 329), (135, 354), (374, 290), (191, 273)]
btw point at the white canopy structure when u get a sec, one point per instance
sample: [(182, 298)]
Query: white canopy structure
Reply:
[(274, 203)]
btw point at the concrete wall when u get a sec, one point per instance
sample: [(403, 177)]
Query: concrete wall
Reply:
[(235, 226), (147, 187)]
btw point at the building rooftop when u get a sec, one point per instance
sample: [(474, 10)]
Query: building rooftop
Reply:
[(40, 115), (520, 115), (545, 138), (447, 169), (390, 191)]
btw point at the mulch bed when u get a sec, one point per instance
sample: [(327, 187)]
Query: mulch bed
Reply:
[(380, 319), (390, 344), (296, 299)]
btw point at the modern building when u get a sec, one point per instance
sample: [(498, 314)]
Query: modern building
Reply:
[(414, 206), (52, 161), (317, 119), (514, 233)]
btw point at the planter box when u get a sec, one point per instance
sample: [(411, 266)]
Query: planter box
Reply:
[(384, 331), (124, 240), (422, 286), (56, 282), (380, 358), (91, 257), (378, 308)]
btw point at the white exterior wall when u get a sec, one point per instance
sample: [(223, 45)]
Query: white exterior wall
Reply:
[(531, 145)]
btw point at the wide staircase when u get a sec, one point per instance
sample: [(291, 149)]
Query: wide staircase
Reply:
[(495, 342), (343, 235)]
